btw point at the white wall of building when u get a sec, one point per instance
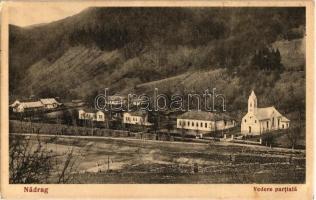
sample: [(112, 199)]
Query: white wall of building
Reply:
[(129, 118), (250, 125), (98, 116), (204, 125)]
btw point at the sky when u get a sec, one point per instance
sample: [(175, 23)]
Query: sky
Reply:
[(37, 14)]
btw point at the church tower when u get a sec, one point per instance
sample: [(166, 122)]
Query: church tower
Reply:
[(252, 103)]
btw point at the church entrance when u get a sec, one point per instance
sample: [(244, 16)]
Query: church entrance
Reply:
[(249, 129)]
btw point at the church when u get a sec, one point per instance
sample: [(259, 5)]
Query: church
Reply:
[(261, 120)]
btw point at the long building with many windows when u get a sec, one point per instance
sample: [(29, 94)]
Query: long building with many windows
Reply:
[(205, 121)]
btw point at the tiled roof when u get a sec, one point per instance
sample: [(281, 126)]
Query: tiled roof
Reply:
[(284, 119), (202, 115), (116, 98), (15, 103), (140, 113), (35, 104), (49, 101), (265, 113), (90, 110)]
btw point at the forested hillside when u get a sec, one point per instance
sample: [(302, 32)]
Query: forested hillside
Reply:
[(125, 49)]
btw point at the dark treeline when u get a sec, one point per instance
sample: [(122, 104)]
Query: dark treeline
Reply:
[(231, 33), (156, 43)]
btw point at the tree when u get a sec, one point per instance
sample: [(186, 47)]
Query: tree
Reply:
[(70, 117), (268, 139), (293, 135), (31, 162), (267, 59), (142, 125), (169, 125), (156, 123)]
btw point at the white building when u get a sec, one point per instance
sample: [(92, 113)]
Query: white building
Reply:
[(204, 121), (50, 103), (116, 100), (91, 115), (261, 120), (136, 118), (47, 103), (20, 107)]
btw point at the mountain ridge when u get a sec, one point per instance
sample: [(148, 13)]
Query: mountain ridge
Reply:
[(122, 48)]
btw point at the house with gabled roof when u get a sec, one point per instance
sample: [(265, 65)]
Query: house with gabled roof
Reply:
[(116, 100), (20, 107), (262, 120), (139, 117), (42, 104), (91, 115), (205, 121), (50, 103)]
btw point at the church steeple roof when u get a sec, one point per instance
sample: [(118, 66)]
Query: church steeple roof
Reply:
[(253, 94)]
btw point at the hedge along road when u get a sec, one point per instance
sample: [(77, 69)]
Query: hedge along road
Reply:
[(256, 147)]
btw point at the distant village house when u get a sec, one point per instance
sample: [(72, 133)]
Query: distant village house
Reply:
[(91, 115), (261, 120), (136, 118), (50, 103), (116, 100), (42, 104)]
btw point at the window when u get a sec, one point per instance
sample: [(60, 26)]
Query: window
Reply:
[(201, 124), (267, 124), (188, 123), (100, 116), (192, 123), (197, 124), (205, 125), (255, 121), (245, 120)]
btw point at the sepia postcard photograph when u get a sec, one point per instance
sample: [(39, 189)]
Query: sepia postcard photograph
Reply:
[(157, 99)]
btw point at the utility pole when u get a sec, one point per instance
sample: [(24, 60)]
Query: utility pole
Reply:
[(108, 162), (92, 126)]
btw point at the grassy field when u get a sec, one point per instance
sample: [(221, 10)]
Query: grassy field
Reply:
[(142, 161)]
